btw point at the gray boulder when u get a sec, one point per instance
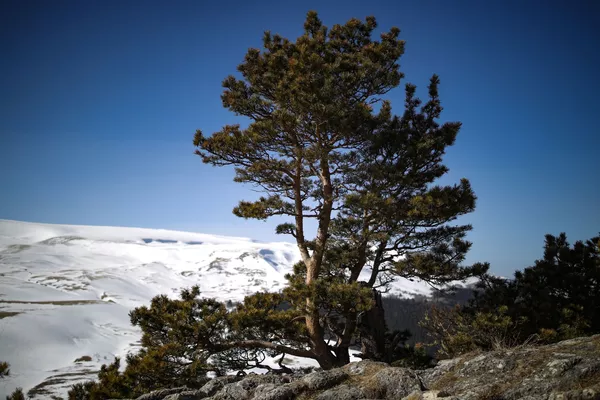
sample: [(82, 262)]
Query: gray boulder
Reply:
[(161, 394), (563, 371), (325, 379), (342, 392), (392, 384)]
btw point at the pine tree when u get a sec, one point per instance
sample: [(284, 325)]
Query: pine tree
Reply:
[(319, 150), (557, 298), (563, 287)]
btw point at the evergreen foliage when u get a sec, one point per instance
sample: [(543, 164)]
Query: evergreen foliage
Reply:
[(555, 299), (81, 391), (17, 394), (319, 151), (4, 369), (111, 384)]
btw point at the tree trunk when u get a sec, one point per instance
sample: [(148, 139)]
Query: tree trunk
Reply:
[(342, 355), (372, 328), (319, 347)]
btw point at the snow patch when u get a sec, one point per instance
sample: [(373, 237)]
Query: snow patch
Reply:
[(66, 290)]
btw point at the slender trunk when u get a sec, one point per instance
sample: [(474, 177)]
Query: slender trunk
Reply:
[(319, 347), (298, 208), (324, 220), (315, 331), (376, 264)]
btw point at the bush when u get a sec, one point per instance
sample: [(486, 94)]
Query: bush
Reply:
[(457, 332), (81, 391), (16, 395), (557, 298), (414, 357), (4, 369)]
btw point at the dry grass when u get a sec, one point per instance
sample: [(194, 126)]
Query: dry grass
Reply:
[(450, 377), (529, 365), (6, 314)]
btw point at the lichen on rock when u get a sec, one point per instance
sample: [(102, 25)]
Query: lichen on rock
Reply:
[(565, 370)]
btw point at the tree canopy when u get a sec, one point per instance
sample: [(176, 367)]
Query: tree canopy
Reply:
[(323, 144)]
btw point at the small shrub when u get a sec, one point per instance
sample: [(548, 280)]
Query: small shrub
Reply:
[(16, 395), (4, 369), (81, 391), (457, 332), (414, 357)]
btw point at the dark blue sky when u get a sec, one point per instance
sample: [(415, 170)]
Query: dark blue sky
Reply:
[(100, 101)]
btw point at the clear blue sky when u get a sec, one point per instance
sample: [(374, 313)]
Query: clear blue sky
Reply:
[(100, 100)]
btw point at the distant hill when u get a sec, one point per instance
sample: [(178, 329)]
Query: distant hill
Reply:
[(65, 290)]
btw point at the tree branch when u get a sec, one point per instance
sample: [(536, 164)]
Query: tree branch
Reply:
[(261, 344)]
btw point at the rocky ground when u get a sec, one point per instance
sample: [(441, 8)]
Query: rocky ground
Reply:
[(565, 370)]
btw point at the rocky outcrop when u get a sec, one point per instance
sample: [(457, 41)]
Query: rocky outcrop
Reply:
[(567, 370)]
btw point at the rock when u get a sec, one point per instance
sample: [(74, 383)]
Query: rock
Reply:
[(213, 386), (263, 389), (392, 383), (187, 395), (560, 370), (568, 370), (286, 392), (161, 394), (364, 367), (325, 379), (256, 386), (342, 392)]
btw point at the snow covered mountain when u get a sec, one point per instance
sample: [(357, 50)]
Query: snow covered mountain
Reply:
[(65, 291)]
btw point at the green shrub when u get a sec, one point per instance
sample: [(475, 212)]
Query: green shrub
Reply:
[(414, 357), (81, 391), (4, 369), (557, 298), (16, 395), (457, 332)]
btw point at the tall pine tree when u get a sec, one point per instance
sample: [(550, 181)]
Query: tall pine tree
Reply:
[(324, 145)]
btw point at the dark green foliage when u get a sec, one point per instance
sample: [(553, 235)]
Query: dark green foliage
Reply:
[(111, 384), (16, 395), (555, 299), (318, 150), (411, 356), (180, 335), (4, 369), (399, 353), (81, 391), (559, 293)]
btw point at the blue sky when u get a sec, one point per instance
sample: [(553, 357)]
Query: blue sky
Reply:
[(100, 101)]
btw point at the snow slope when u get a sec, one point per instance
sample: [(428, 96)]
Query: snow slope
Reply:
[(65, 291)]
